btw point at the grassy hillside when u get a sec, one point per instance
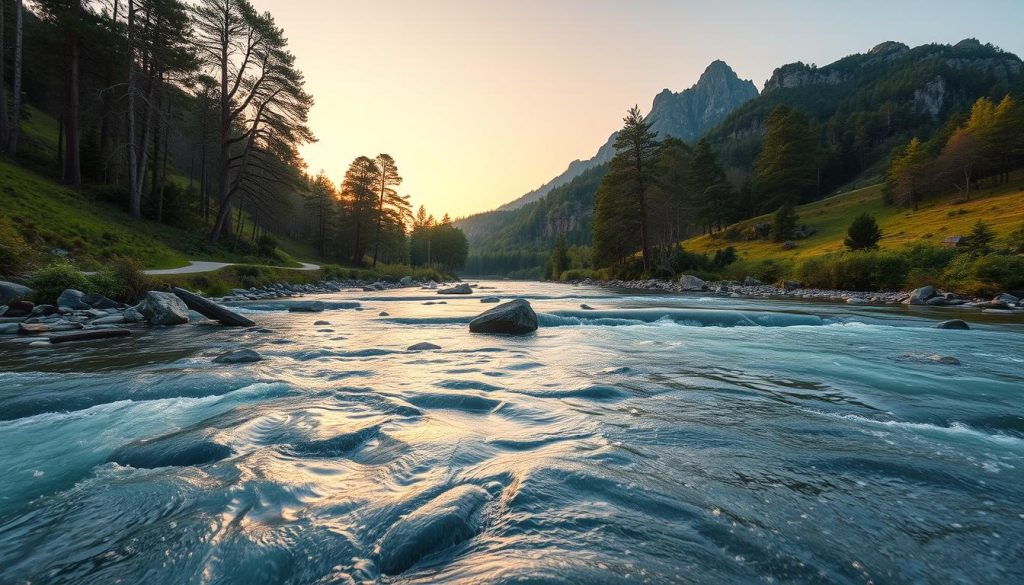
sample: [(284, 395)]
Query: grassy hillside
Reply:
[(52, 218), (1002, 208)]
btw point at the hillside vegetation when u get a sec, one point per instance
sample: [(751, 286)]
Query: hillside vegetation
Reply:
[(1001, 208)]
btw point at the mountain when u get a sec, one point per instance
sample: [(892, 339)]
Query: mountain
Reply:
[(686, 115), (860, 108), (865, 105)]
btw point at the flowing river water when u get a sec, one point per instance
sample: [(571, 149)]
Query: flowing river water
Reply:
[(655, 439)]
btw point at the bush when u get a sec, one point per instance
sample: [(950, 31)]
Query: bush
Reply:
[(266, 246), (14, 250), (682, 261), (987, 275), (725, 257), (123, 281), (52, 280), (863, 234), (872, 270), (581, 274)]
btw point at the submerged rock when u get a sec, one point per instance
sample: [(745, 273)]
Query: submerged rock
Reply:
[(443, 522), (10, 291), (514, 317), (424, 346), (953, 324), (460, 289), (383, 314), (238, 356), (89, 335), (925, 358), (176, 450), (161, 308), (586, 307), (321, 322), (307, 307)]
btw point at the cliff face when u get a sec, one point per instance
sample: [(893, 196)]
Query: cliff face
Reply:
[(686, 115)]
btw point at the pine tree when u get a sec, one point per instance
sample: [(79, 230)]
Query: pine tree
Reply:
[(559, 258), (980, 241), (358, 190), (787, 168), (863, 234), (621, 222), (784, 223), (709, 192), (906, 177), (391, 207)]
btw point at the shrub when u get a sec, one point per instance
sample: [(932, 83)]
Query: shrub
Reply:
[(980, 241), (581, 274), (123, 280), (987, 275), (14, 250), (784, 223), (873, 270), (863, 234), (52, 280), (725, 257), (683, 261), (266, 246), (1015, 241)]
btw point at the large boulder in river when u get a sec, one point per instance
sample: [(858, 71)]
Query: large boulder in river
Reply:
[(212, 310), (460, 289), (689, 282), (307, 307), (515, 317), (160, 308), (10, 291), (921, 296), (72, 300)]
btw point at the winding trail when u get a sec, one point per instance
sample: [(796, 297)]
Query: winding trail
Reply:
[(198, 266)]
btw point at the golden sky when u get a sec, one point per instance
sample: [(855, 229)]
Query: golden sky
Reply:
[(480, 101)]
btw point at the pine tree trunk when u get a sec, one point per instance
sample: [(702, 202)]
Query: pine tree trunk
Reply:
[(3, 82), (72, 174), (134, 194), (15, 126)]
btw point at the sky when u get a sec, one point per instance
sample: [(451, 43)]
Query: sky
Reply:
[(480, 101)]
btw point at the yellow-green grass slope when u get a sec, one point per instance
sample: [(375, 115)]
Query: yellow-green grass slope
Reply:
[(1002, 208)]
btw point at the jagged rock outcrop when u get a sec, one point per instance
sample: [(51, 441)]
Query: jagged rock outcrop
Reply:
[(686, 115)]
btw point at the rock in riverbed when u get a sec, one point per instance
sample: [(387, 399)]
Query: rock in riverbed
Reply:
[(514, 317), (19, 309), (460, 289), (10, 291), (160, 308), (89, 335), (211, 309), (490, 300), (953, 324), (307, 307), (71, 300), (691, 283), (921, 295)]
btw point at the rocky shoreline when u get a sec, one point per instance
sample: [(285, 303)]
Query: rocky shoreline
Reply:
[(752, 288), (79, 316)]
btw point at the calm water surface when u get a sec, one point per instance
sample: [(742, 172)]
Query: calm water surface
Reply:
[(657, 439)]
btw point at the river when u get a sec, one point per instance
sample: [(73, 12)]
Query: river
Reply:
[(655, 439)]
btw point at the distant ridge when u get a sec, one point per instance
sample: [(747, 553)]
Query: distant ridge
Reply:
[(686, 115)]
